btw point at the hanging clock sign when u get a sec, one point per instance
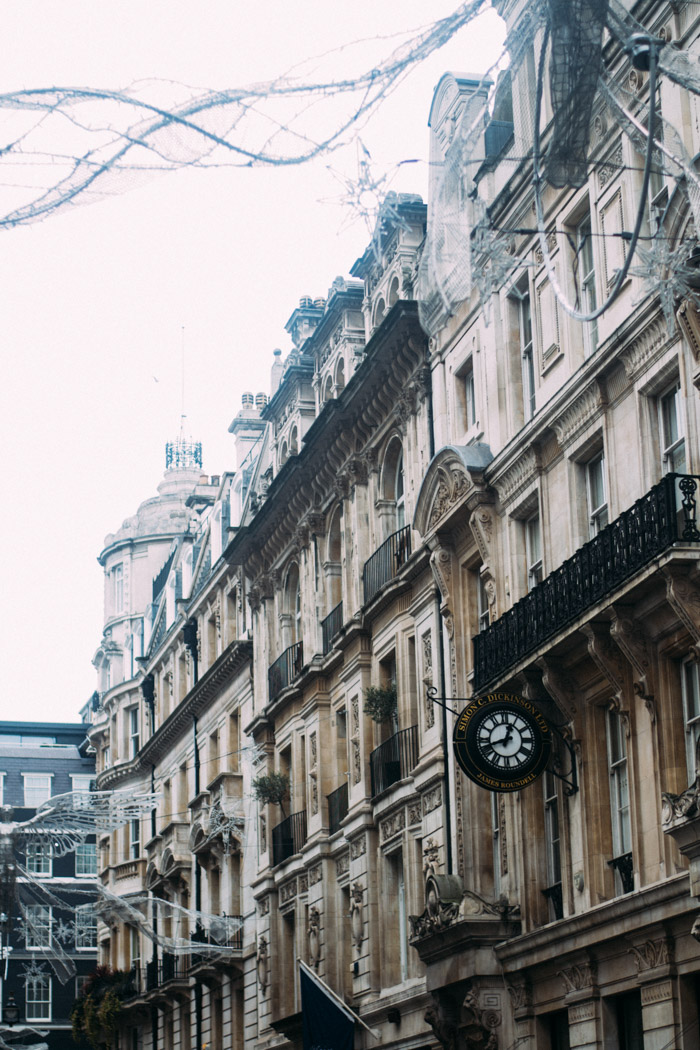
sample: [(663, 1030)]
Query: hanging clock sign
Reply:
[(502, 742)]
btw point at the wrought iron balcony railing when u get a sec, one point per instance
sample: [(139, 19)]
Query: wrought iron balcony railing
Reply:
[(386, 562), (555, 900), (285, 669), (288, 837), (663, 516), (623, 866), (173, 967), (331, 626), (337, 807), (394, 759)]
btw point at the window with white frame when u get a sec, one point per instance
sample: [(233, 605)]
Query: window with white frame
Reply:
[(118, 588), (466, 379), (690, 687), (552, 844), (134, 839), (134, 947), (37, 788), (37, 999), (85, 929), (81, 785), (672, 431), (619, 785), (2, 789), (399, 490), (482, 603), (596, 495), (586, 283), (38, 922), (134, 734), (527, 353), (80, 982), (496, 833), (86, 859), (533, 550), (39, 857)]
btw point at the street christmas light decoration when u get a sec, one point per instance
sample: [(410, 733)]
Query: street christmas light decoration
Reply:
[(122, 137), (57, 828)]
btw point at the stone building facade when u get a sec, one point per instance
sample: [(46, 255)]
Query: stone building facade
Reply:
[(494, 509)]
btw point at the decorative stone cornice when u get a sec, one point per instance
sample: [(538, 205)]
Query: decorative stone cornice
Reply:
[(518, 476), (587, 407), (230, 663), (641, 352)]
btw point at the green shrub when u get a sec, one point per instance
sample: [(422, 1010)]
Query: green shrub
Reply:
[(380, 702)]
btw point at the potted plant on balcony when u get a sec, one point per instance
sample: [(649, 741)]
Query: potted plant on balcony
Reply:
[(380, 702), (271, 789)]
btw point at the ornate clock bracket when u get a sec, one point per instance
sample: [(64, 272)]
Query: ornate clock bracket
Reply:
[(431, 693)]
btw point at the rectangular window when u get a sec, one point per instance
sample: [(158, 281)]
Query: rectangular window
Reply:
[(39, 859), (533, 550), (118, 588), (482, 603), (134, 736), (134, 839), (134, 946), (80, 982), (619, 791), (586, 283), (596, 495), (398, 911), (38, 921), (496, 841), (552, 843), (85, 929), (86, 859), (672, 431), (38, 998), (37, 788), (527, 355), (690, 687), (469, 396)]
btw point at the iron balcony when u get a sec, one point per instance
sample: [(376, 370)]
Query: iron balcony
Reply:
[(663, 516)]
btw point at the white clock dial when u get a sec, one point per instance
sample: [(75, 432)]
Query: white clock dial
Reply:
[(505, 739)]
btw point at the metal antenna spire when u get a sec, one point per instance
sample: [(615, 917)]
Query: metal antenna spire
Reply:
[(183, 454)]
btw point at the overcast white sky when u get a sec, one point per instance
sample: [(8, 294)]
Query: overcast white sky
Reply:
[(94, 298)]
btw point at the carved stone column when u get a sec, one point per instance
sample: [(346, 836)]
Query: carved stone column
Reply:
[(655, 975), (583, 1000)]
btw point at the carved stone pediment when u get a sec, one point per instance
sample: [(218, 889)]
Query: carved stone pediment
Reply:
[(453, 474)]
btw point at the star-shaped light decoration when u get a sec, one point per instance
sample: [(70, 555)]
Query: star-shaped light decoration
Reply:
[(671, 273)]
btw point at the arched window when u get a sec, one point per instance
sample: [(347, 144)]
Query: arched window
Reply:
[(379, 313), (393, 296), (340, 376), (292, 605), (399, 489), (393, 488), (293, 443), (327, 389), (334, 562)]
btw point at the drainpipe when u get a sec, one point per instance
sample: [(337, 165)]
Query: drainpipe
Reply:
[(441, 655), (189, 633)]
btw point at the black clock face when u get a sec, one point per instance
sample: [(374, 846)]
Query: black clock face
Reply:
[(502, 742)]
